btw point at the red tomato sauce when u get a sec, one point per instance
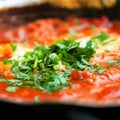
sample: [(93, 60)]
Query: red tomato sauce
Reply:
[(84, 87)]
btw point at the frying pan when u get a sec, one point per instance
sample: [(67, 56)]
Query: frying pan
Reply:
[(57, 111)]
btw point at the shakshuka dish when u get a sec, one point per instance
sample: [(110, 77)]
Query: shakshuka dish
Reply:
[(75, 60)]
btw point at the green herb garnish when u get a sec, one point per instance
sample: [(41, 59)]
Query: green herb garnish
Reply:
[(97, 69), (5, 61), (101, 39), (113, 63), (11, 88), (13, 46), (49, 67), (73, 33)]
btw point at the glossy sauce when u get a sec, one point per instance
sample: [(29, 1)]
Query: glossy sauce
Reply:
[(85, 87)]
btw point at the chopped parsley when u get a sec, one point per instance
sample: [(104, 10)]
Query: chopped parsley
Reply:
[(5, 61), (49, 67), (11, 88), (97, 69), (13, 46), (73, 33), (113, 63), (101, 39)]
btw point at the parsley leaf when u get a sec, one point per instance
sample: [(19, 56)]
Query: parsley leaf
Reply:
[(73, 33), (13, 46), (11, 88), (113, 63), (97, 69), (5, 61), (101, 39)]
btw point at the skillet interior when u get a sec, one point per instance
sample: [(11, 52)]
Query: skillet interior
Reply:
[(48, 110)]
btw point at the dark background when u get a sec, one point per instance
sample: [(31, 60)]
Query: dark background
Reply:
[(57, 112)]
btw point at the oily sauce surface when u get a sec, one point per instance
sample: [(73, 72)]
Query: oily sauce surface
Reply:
[(84, 87)]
